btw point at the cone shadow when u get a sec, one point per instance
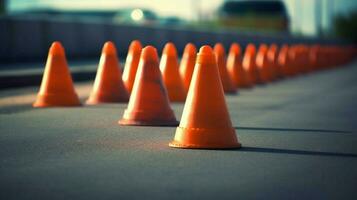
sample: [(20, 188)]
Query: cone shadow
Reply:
[(296, 152), (282, 151), (290, 129), (153, 125)]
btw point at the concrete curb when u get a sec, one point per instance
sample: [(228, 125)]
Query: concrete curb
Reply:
[(21, 75), (32, 79)]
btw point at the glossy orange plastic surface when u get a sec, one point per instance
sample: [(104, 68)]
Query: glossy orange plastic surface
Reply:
[(293, 62), (187, 65), (108, 85), (205, 122), (304, 62), (57, 86), (272, 61), (262, 64), (313, 57), (228, 85), (284, 61), (235, 69), (131, 64), (170, 74), (249, 64), (149, 102)]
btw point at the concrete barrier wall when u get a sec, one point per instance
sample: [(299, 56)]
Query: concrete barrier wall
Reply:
[(29, 39)]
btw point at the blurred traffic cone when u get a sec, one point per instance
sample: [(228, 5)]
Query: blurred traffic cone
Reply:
[(108, 86), (187, 65), (205, 121), (235, 69), (304, 59), (262, 64), (293, 67), (171, 75), (131, 64), (272, 60), (284, 61), (249, 64), (228, 85), (57, 85), (297, 53), (324, 58), (149, 103)]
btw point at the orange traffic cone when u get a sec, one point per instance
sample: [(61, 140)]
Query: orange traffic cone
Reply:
[(235, 69), (149, 103), (249, 64), (228, 85), (284, 61), (108, 86), (205, 121), (187, 64), (131, 64), (304, 59), (262, 64), (57, 85), (296, 59), (171, 75), (293, 62), (272, 60), (313, 57)]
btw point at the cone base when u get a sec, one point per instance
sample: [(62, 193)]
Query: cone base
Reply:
[(94, 101), (133, 122), (174, 144), (148, 118), (196, 138), (57, 100), (98, 98)]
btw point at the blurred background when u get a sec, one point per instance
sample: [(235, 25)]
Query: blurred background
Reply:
[(303, 17), (27, 27)]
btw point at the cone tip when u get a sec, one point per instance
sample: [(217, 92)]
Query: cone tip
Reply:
[(56, 48), (206, 49), (218, 48), (250, 48), (190, 49), (284, 47), (206, 55), (235, 48), (273, 47), (149, 53), (250, 45), (135, 45), (263, 45), (109, 48), (170, 49), (263, 48)]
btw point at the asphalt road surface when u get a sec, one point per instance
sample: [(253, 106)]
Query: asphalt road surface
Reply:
[(299, 140)]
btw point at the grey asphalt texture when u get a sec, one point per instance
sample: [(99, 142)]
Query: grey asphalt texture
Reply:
[(299, 140)]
